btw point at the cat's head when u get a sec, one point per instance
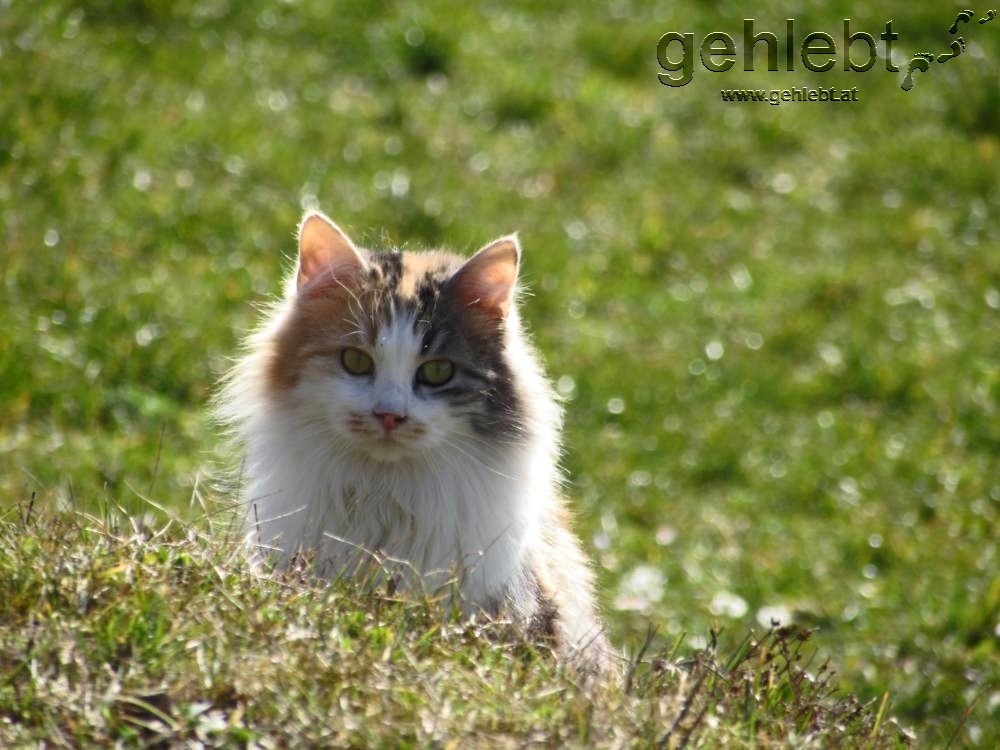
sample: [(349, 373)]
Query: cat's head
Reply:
[(397, 355)]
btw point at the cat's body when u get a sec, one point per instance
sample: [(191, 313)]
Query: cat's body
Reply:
[(392, 409)]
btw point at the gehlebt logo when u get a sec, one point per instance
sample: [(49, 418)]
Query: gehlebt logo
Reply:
[(817, 50)]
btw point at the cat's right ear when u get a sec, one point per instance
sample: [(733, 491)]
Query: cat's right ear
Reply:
[(326, 254), (487, 279)]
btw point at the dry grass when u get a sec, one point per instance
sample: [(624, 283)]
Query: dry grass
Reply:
[(116, 632)]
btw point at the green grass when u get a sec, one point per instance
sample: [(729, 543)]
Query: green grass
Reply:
[(117, 631), (776, 327)]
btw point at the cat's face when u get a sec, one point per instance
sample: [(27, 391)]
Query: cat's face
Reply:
[(399, 355)]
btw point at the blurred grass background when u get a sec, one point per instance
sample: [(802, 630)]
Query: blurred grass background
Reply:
[(776, 327)]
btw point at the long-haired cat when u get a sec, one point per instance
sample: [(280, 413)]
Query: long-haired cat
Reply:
[(391, 407)]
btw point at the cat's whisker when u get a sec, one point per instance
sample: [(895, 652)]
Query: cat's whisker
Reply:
[(455, 446), (491, 440), (480, 554), (483, 443), (259, 521)]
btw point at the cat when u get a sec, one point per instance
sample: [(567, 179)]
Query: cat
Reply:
[(392, 408)]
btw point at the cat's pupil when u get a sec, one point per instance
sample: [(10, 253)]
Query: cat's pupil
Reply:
[(435, 372), (356, 362)]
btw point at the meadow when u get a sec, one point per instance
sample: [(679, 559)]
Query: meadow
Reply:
[(775, 329)]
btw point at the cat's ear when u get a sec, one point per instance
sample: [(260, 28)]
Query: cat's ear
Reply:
[(326, 253), (487, 279)]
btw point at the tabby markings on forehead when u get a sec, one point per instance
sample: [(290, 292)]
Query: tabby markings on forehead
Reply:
[(420, 269), (391, 265), (428, 291)]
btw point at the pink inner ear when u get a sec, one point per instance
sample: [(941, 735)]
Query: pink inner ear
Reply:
[(326, 255), (487, 279)]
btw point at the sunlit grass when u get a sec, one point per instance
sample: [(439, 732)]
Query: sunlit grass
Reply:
[(119, 631)]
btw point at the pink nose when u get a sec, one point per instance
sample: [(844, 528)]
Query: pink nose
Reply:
[(389, 420)]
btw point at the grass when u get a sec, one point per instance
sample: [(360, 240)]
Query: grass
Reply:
[(775, 328), (115, 631)]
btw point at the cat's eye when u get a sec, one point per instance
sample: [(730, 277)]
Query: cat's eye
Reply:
[(435, 372), (356, 361)]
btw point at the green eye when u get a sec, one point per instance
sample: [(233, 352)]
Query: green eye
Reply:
[(356, 362), (435, 372)]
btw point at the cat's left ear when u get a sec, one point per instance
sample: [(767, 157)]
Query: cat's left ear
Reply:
[(326, 253), (487, 279)]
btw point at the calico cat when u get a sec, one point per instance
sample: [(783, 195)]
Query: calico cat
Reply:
[(391, 408)]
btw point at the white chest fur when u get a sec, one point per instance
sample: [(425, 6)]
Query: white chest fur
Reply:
[(467, 515)]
